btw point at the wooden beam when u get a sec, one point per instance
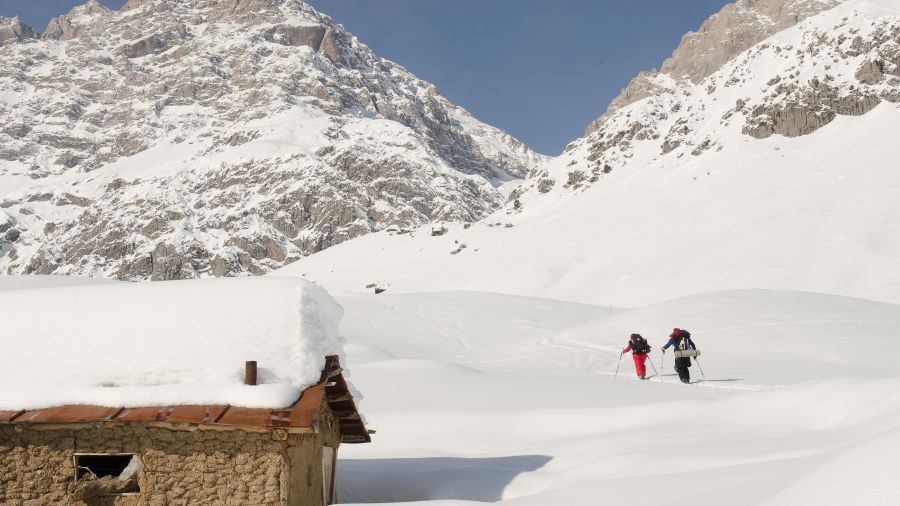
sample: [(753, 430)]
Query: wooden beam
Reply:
[(338, 396), (352, 426), (346, 415)]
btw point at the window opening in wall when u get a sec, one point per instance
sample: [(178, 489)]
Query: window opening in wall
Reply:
[(107, 474)]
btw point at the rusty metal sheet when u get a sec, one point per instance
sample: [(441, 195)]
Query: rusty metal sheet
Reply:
[(307, 407), (150, 414), (6, 416), (27, 416), (280, 418), (76, 413), (195, 414), (246, 417)]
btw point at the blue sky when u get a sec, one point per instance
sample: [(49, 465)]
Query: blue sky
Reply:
[(539, 69)]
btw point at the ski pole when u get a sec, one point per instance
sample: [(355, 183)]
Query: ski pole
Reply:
[(698, 365), (662, 364), (651, 365), (617, 365)]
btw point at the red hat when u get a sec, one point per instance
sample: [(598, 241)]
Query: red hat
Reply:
[(675, 333)]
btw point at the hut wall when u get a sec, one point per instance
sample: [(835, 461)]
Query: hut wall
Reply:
[(306, 478), (189, 467)]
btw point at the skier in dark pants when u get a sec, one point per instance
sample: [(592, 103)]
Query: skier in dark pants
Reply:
[(681, 340)]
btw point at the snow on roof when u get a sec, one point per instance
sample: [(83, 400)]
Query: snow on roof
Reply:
[(165, 343)]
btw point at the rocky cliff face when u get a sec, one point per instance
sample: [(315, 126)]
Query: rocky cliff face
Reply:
[(845, 60), (178, 138), (14, 30), (734, 29)]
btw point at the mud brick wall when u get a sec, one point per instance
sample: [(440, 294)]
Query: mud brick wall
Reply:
[(181, 467)]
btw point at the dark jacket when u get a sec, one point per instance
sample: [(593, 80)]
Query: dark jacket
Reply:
[(631, 343)]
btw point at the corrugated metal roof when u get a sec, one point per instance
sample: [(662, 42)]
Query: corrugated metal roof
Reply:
[(332, 388)]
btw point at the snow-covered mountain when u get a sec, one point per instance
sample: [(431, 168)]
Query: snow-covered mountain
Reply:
[(734, 29), (759, 166), (777, 170), (177, 138), (733, 75)]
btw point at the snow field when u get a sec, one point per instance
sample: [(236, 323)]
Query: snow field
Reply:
[(481, 397)]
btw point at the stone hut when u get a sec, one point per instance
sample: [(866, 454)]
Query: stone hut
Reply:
[(185, 455)]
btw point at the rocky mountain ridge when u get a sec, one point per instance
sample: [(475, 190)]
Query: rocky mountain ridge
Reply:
[(178, 138), (790, 84), (14, 29), (734, 29)]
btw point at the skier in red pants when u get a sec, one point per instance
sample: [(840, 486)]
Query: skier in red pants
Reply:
[(639, 349)]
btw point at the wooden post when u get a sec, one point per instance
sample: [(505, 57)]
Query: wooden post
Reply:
[(250, 372)]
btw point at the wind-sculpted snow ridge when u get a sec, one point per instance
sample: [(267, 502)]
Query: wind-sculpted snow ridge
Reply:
[(180, 138)]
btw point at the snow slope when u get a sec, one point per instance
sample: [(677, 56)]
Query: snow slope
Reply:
[(482, 397), (173, 343), (815, 213)]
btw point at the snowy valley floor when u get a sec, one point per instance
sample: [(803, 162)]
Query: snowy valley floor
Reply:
[(483, 397)]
